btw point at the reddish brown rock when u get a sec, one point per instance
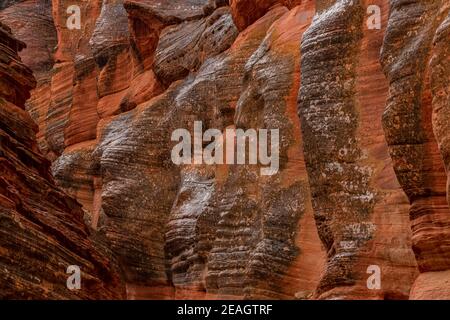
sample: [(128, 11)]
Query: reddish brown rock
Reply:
[(357, 201), (245, 12), (32, 22), (147, 18), (183, 48), (92, 81), (134, 159), (440, 71), (42, 231), (414, 118), (228, 220), (137, 70)]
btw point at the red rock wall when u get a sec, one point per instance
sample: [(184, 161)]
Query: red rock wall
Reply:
[(42, 231), (31, 21), (360, 210), (366, 153), (415, 122)]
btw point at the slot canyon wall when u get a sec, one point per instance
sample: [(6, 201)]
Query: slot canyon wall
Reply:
[(42, 230), (364, 121)]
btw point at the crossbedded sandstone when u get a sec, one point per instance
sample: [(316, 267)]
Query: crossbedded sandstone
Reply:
[(355, 207), (368, 137), (42, 230), (415, 122)]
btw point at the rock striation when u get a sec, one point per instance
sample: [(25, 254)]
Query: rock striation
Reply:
[(362, 112), (42, 230), (360, 210), (415, 59)]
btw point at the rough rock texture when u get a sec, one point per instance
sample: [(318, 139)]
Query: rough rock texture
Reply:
[(415, 58), (360, 211), (31, 21), (211, 210), (42, 231), (245, 12), (364, 141), (184, 47), (239, 225)]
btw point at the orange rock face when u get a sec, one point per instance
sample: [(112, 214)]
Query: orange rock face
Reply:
[(416, 125), (364, 150), (360, 210)]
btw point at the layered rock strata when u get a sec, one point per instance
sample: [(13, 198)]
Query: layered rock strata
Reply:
[(364, 162), (415, 59), (360, 210), (42, 229)]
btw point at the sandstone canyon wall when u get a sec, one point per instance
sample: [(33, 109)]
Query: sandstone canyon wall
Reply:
[(42, 231), (364, 122)]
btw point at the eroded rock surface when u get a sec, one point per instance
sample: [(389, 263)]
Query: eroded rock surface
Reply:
[(358, 203), (415, 60), (42, 231), (245, 12), (363, 144)]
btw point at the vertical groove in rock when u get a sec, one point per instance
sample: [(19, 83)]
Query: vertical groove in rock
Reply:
[(342, 198), (226, 235), (416, 95), (343, 160), (246, 12), (390, 248), (440, 73)]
